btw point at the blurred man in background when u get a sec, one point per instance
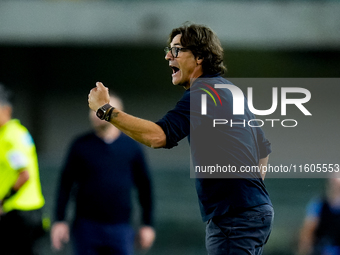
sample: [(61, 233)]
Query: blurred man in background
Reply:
[(105, 165), (227, 204), (20, 189), (320, 233)]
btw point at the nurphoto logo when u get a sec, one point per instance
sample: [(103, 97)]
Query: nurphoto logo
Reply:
[(238, 104)]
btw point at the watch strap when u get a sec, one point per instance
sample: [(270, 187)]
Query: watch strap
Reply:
[(108, 114)]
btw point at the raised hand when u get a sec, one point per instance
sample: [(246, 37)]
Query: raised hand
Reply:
[(98, 96)]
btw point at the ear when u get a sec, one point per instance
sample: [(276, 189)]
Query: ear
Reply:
[(199, 60)]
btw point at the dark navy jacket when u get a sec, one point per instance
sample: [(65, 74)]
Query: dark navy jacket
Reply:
[(105, 175)]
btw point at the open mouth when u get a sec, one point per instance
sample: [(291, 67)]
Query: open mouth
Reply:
[(174, 69)]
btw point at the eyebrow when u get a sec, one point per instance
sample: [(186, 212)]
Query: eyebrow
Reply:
[(176, 44)]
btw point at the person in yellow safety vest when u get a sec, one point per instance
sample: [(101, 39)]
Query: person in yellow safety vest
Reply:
[(21, 198)]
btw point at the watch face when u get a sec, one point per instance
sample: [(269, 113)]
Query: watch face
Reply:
[(100, 113)]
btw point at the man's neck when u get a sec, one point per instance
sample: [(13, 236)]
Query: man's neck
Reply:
[(195, 75)]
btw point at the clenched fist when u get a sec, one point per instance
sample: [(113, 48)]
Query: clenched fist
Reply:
[(98, 96)]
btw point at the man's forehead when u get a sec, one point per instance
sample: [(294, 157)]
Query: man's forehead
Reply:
[(176, 41)]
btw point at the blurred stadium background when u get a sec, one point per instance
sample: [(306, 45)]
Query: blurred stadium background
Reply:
[(53, 52)]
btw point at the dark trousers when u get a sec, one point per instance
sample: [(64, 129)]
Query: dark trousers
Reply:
[(19, 232), (239, 232), (93, 238)]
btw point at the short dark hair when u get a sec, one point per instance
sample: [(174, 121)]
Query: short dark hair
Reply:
[(6, 96), (204, 43)]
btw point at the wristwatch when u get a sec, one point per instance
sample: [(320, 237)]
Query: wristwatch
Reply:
[(104, 112)]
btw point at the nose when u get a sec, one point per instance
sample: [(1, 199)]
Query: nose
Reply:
[(168, 56)]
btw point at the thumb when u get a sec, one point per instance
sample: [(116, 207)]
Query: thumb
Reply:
[(100, 85)]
